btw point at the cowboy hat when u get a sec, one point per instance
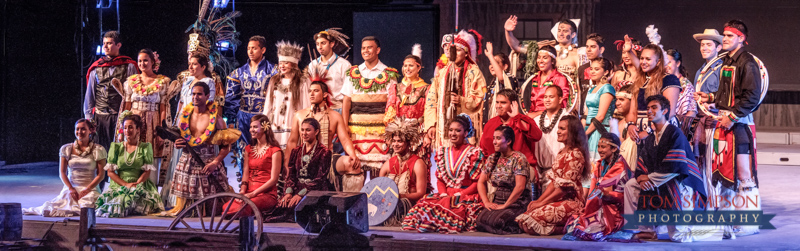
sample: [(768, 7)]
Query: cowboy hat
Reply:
[(710, 34)]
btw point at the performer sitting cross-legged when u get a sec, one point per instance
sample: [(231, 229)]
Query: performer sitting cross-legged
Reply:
[(345, 176), (666, 172), (602, 215), (405, 167), (202, 128), (507, 171), (526, 133), (308, 168), (564, 196), (455, 208), (262, 168)]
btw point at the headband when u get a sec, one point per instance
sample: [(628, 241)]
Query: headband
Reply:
[(737, 32), (624, 95), (549, 53), (606, 141), (288, 59)]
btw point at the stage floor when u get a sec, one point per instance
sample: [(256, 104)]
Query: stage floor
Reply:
[(780, 191)]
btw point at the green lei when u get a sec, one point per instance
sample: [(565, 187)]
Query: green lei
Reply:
[(372, 85)]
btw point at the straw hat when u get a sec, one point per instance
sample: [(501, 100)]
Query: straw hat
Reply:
[(710, 34)]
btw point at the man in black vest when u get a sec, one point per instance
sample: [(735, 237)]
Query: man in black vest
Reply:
[(102, 102)]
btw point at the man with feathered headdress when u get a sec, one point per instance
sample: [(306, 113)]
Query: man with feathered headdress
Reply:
[(342, 176), (330, 43), (405, 167), (459, 87)]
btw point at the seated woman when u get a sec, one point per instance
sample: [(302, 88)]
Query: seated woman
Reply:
[(262, 168), (563, 197), (129, 166), (508, 172), (84, 160), (602, 215), (307, 170), (455, 208), (406, 168)]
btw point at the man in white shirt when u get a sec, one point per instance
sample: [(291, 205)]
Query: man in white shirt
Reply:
[(364, 105), (548, 147), (329, 42)]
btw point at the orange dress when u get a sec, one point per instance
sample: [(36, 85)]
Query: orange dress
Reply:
[(566, 174)]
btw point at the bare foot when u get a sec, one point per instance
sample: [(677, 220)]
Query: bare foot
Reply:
[(647, 236)]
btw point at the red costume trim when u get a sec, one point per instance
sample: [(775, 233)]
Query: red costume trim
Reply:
[(105, 62)]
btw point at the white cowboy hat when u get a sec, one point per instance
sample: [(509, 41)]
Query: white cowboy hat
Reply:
[(710, 34)]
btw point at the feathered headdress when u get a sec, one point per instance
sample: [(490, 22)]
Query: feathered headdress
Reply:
[(335, 34), (416, 50), (210, 28), (652, 35), (289, 52), (320, 75), (407, 129), (471, 42)]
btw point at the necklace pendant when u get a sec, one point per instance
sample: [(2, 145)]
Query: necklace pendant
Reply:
[(306, 158)]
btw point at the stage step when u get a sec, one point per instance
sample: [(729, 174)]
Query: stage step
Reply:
[(778, 154), (780, 138)]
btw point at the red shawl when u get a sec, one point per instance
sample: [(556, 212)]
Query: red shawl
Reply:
[(107, 62)]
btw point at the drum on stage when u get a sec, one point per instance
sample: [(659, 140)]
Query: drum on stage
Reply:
[(382, 199)]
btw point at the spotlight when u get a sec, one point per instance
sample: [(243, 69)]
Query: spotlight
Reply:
[(220, 3), (99, 50), (224, 45)]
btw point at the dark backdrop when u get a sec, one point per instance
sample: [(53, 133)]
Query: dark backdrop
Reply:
[(772, 29), (396, 42), (43, 77)]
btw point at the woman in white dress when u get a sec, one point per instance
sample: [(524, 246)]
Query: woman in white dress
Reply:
[(286, 93), (81, 167)]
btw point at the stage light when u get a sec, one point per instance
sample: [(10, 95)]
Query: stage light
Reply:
[(99, 50), (224, 45), (220, 3)]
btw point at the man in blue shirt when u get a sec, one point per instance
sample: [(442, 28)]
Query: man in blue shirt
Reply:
[(244, 97), (707, 81)]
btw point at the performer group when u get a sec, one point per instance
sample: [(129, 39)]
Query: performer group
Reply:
[(561, 141)]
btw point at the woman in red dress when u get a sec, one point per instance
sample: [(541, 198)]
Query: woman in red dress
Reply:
[(563, 197), (262, 168)]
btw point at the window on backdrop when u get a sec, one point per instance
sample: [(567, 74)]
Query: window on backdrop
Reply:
[(534, 29)]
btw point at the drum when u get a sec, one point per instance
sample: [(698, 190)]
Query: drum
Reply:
[(382, 199)]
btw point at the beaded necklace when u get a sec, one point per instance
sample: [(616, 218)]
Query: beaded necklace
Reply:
[(548, 128), (128, 160)]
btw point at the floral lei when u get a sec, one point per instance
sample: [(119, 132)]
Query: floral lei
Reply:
[(184, 124), (144, 90), (371, 85)]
